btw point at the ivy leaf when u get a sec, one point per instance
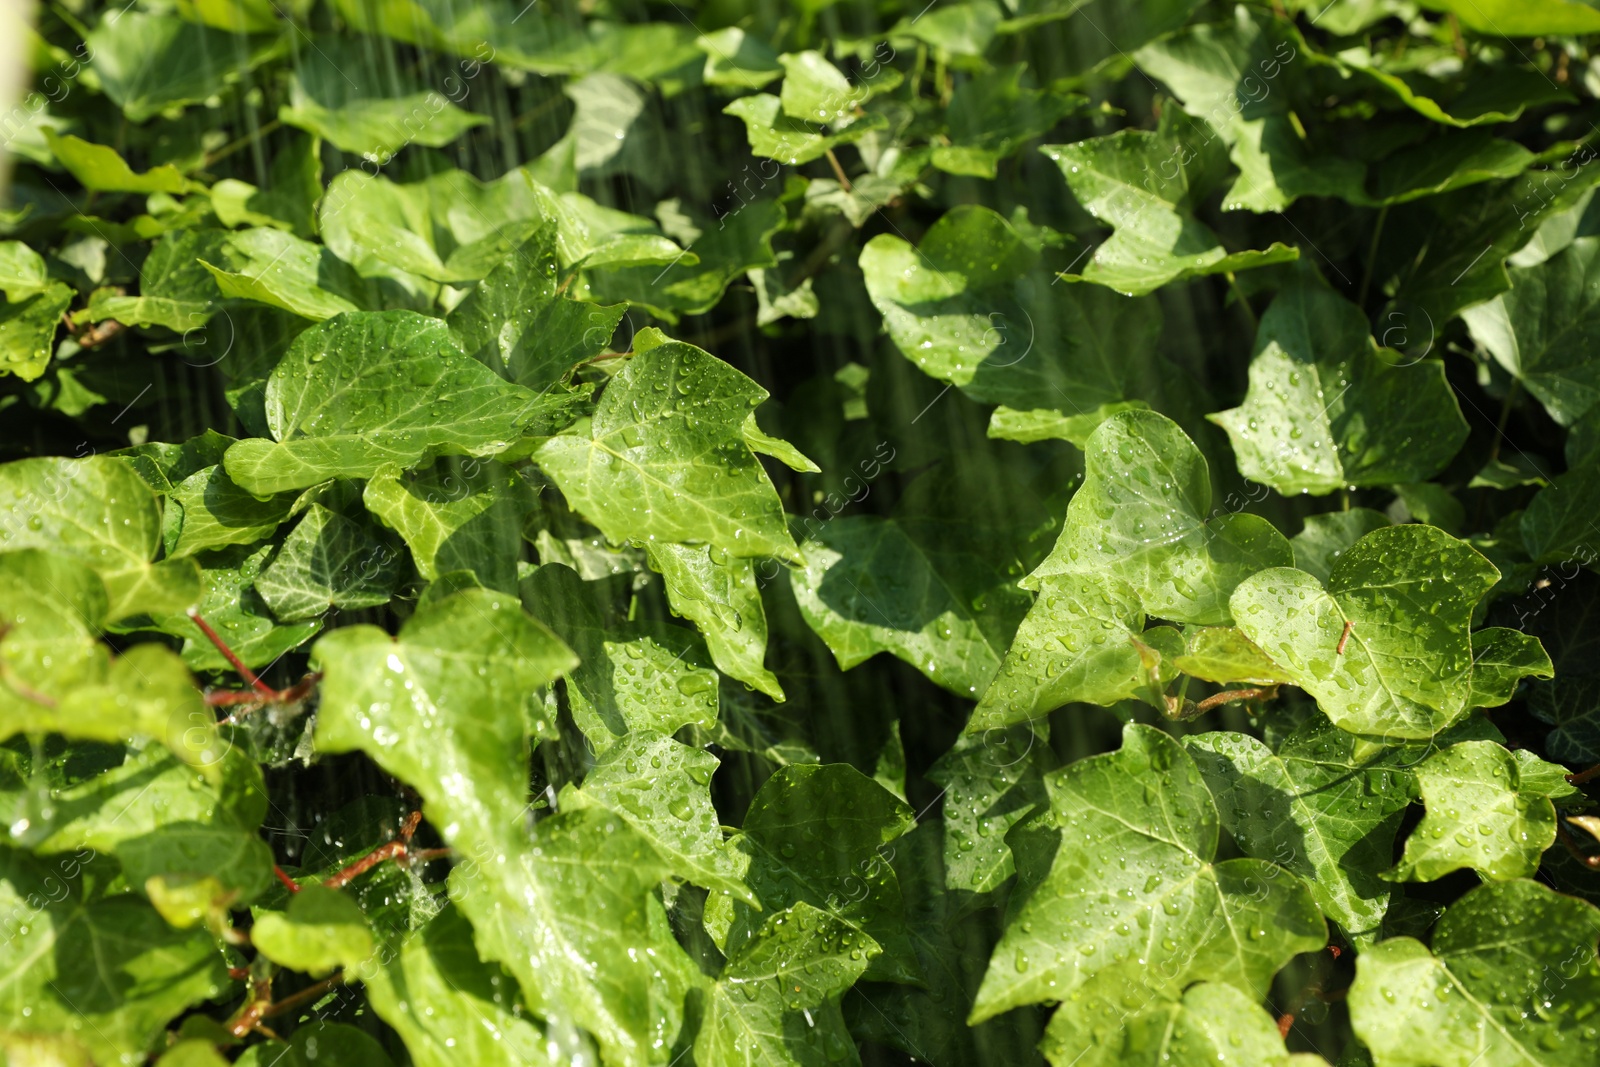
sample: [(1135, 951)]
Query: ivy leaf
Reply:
[(868, 586), (448, 1006), (231, 605), (28, 330), (635, 676), (1326, 537), (738, 60), (475, 724), (661, 788), (22, 272), (1517, 963), (764, 1008), (327, 561), (213, 512), (1501, 658), (108, 972), (97, 511), (664, 458), (1143, 514), (1211, 1022), (1077, 643), (1326, 411), (457, 515), (460, 737), (818, 834), (1316, 808), (1542, 329), (990, 781), (1165, 900), (719, 594), (1228, 75), (777, 135), (373, 388), (1123, 180), (175, 288), (272, 267), (340, 92), (1224, 655), (322, 930), (514, 322), (99, 168), (1501, 18), (1478, 817), (1407, 593), (991, 116), (150, 63), (967, 307)]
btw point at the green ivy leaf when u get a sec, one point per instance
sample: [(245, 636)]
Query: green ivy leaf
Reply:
[(820, 835), (1501, 659), (231, 605), (374, 388), (1517, 963), (1407, 593), (109, 972), (990, 781), (514, 321), (28, 330), (967, 307), (1224, 655), (327, 561), (991, 116), (1123, 180), (1326, 537), (781, 984), (1543, 328), (1165, 899), (322, 931), (97, 511), (213, 512), (720, 595), (664, 458), (151, 63), (457, 515), (662, 789), (1077, 643), (1144, 515), (1326, 411), (175, 288), (1316, 808), (1501, 18), (633, 676), (343, 94), (272, 267), (22, 272), (868, 586), (1211, 1022), (470, 1021), (99, 168), (1478, 817)]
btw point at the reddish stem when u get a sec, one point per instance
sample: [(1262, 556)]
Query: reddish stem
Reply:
[(1228, 696), (246, 673), (1591, 862), (1579, 777), (396, 850), (288, 883), (250, 1016), (1285, 1022), (1344, 637), (309, 993)]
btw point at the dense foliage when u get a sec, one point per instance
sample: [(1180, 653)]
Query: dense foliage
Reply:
[(977, 532)]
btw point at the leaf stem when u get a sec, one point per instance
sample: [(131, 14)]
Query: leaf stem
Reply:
[(1229, 696), (838, 171), (244, 672), (310, 993), (395, 850), (1505, 417), (1579, 777), (233, 146), (1238, 295)]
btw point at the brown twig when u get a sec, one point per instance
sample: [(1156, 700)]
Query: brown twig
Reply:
[(262, 688), (309, 993), (1579, 777), (1344, 637), (254, 1010), (1591, 862), (1228, 696), (398, 849)]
